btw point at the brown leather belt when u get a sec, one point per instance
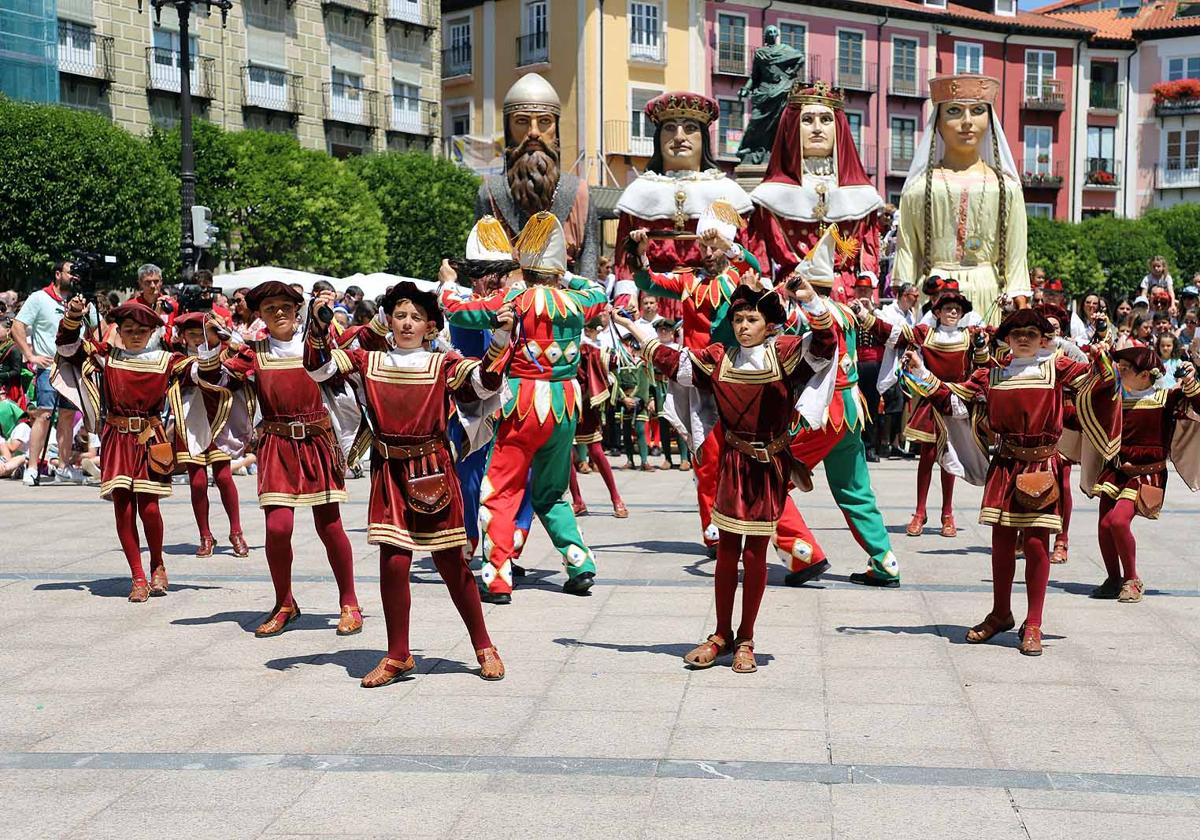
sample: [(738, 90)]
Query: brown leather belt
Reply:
[(407, 453), (1029, 454), (296, 429), (132, 425), (761, 452), (1142, 469)]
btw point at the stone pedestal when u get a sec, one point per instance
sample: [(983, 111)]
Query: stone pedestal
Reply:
[(749, 175)]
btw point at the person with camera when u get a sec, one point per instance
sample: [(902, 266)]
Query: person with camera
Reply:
[(150, 294), (124, 391), (34, 332)]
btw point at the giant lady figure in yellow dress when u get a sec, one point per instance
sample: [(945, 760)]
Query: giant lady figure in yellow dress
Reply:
[(962, 213)]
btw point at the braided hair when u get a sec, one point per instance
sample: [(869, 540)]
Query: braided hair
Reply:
[(1002, 221)]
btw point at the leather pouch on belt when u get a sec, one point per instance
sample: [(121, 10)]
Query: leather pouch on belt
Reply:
[(1036, 490), (428, 493), (1149, 501), (160, 460)]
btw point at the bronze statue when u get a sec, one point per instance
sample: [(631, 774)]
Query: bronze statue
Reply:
[(776, 66)]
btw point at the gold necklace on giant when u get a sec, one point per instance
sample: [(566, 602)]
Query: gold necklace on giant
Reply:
[(969, 244)]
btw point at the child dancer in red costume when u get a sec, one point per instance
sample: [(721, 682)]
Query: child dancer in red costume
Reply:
[(199, 416), (416, 504), (1022, 496), (1132, 483), (755, 385), (300, 463), (130, 385), (595, 363)]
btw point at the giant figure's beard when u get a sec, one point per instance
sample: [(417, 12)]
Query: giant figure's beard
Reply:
[(533, 175)]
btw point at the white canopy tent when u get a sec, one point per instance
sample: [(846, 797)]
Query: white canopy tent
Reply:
[(251, 277), (376, 285)]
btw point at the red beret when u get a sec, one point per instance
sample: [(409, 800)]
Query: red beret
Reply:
[(190, 320), (1058, 313), (1024, 318), (270, 289), (1055, 285), (768, 302), (1143, 358), (951, 294), (134, 311)]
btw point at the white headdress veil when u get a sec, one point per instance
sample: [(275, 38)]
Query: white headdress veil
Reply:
[(931, 148)]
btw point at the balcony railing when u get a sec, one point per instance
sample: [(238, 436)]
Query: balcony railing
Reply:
[(811, 70), (1177, 108), (81, 52), (533, 49), (653, 46), (860, 78), (1103, 173), (1175, 175), (868, 159), (163, 69), (619, 139), (1044, 176), (349, 104), (1047, 96), (917, 88), (731, 59), (898, 165), (366, 8), (269, 89), (412, 116), (456, 60), (1105, 96), (409, 14)]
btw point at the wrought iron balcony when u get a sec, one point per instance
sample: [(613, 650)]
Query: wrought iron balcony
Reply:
[(366, 8), (534, 48), (652, 46), (411, 13), (858, 78), (81, 52), (1044, 176), (620, 139), (898, 165), (1105, 96), (1103, 173), (867, 156), (1177, 107), (163, 69), (915, 88), (412, 116), (456, 60), (349, 104), (268, 89), (1174, 175), (811, 70), (731, 59), (1048, 96)]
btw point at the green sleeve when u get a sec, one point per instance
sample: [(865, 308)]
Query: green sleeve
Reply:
[(647, 283)]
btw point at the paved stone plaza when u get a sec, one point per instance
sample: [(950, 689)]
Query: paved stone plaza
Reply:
[(868, 718)]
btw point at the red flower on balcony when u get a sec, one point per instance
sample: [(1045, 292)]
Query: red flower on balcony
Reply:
[(1180, 90), (1103, 178)]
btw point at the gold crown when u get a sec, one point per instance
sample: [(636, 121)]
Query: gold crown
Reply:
[(819, 93), (963, 88), (682, 105)]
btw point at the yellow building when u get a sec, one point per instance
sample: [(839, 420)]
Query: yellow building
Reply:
[(604, 58)]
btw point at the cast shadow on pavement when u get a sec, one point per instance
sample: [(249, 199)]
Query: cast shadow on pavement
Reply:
[(676, 650), (1085, 589), (189, 550), (117, 587), (985, 550), (655, 547), (249, 620), (955, 634), (358, 663), (775, 572)]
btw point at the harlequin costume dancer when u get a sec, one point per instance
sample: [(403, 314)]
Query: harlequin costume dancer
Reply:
[(1023, 493), (415, 500), (123, 393), (681, 183), (537, 429), (951, 353), (755, 383), (301, 461), (198, 411), (1157, 425), (815, 182), (595, 363)]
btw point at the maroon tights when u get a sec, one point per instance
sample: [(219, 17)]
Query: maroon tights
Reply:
[(394, 566), (1117, 545), (1068, 504), (1004, 569), (128, 506), (223, 478), (754, 583), (328, 522), (925, 476), (600, 463)]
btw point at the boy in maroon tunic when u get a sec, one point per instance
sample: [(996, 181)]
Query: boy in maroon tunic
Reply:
[(755, 385)]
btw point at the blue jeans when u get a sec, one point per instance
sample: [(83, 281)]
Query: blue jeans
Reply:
[(46, 397)]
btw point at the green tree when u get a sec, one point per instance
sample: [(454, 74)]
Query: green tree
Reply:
[(216, 174), (1124, 248), (1065, 253), (72, 179), (428, 205), (1180, 226), (302, 209)]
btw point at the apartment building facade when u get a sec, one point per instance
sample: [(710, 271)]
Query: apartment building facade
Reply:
[(347, 76)]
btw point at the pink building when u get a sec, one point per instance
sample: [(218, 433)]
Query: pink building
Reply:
[(882, 55)]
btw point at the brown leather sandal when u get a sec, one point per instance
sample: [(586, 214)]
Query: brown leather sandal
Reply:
[(620, 511), (705, 654), (949, 529), (238, 542), (387, 672), (278, 621), (579, 509), (1131, 591), (1060, 553), (743, 657), (140, 593), (989, 627), (158, 582), (916, 525), (207, 544), (1031, 640), (490, 666), (350, 621)]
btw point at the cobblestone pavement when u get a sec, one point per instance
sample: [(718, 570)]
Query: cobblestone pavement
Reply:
[(869, 716)]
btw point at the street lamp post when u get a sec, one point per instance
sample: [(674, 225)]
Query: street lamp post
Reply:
[(187, 164)]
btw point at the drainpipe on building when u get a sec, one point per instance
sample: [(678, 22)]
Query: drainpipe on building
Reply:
[(600, 95), (1128, 159), (1075, 141), (1004, 76), (881, 97)]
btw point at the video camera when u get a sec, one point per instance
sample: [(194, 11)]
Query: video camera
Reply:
[(85, 265), (194, 298)]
